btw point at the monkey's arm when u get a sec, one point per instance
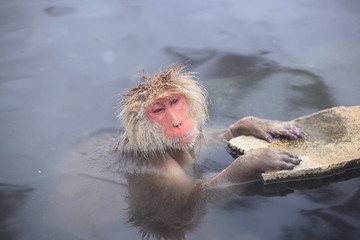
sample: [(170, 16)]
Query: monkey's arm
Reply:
[(264, 129), (249, 167)]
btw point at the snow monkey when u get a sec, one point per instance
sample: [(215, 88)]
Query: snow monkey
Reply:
[(164, 118), (163, 121)]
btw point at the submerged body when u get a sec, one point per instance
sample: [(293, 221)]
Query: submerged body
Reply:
[(163, 120)]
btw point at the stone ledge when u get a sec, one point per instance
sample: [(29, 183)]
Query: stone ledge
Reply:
[(332, 144)]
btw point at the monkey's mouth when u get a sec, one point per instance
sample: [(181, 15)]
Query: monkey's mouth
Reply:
[(186, 139)]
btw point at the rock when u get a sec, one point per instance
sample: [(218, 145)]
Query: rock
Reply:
[(331, 146)]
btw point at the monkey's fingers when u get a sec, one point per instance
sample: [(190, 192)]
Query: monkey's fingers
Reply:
[(293, 129), (297, 131), (286, 166), (293, 133), (295, 161), (266, 136), (286, 153), (284, 133), (289, 157)]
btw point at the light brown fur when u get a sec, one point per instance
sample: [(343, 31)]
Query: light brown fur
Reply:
[(142, 136)]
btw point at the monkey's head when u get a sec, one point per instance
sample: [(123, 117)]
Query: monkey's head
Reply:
[(166, 111)]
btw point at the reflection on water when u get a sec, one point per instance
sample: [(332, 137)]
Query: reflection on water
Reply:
[(327, 222), (63, 64), (12, 199), (90, 201), (58, 11), (171, 208)]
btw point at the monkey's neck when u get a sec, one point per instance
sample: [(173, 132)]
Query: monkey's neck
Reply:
[(185, 159)]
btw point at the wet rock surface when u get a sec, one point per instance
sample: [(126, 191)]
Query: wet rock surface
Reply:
[(332, 144)]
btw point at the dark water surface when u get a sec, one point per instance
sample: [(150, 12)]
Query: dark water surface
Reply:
[(64, 63)]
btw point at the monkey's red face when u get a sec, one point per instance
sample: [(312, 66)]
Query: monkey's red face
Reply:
[(171, 113)]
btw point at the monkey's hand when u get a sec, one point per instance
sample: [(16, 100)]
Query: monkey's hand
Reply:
[(269, 159), (249, 167), (264, 129)]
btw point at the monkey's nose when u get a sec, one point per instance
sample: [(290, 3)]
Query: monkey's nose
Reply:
[(177, 125)]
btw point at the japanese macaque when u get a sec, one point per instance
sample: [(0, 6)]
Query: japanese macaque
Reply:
[(163, 120), (164, 117)]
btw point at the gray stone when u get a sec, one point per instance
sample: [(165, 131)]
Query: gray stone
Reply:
[(332, 144)]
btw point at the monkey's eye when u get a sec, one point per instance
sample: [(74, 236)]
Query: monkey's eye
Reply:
[(158, 110), (174, 101)]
